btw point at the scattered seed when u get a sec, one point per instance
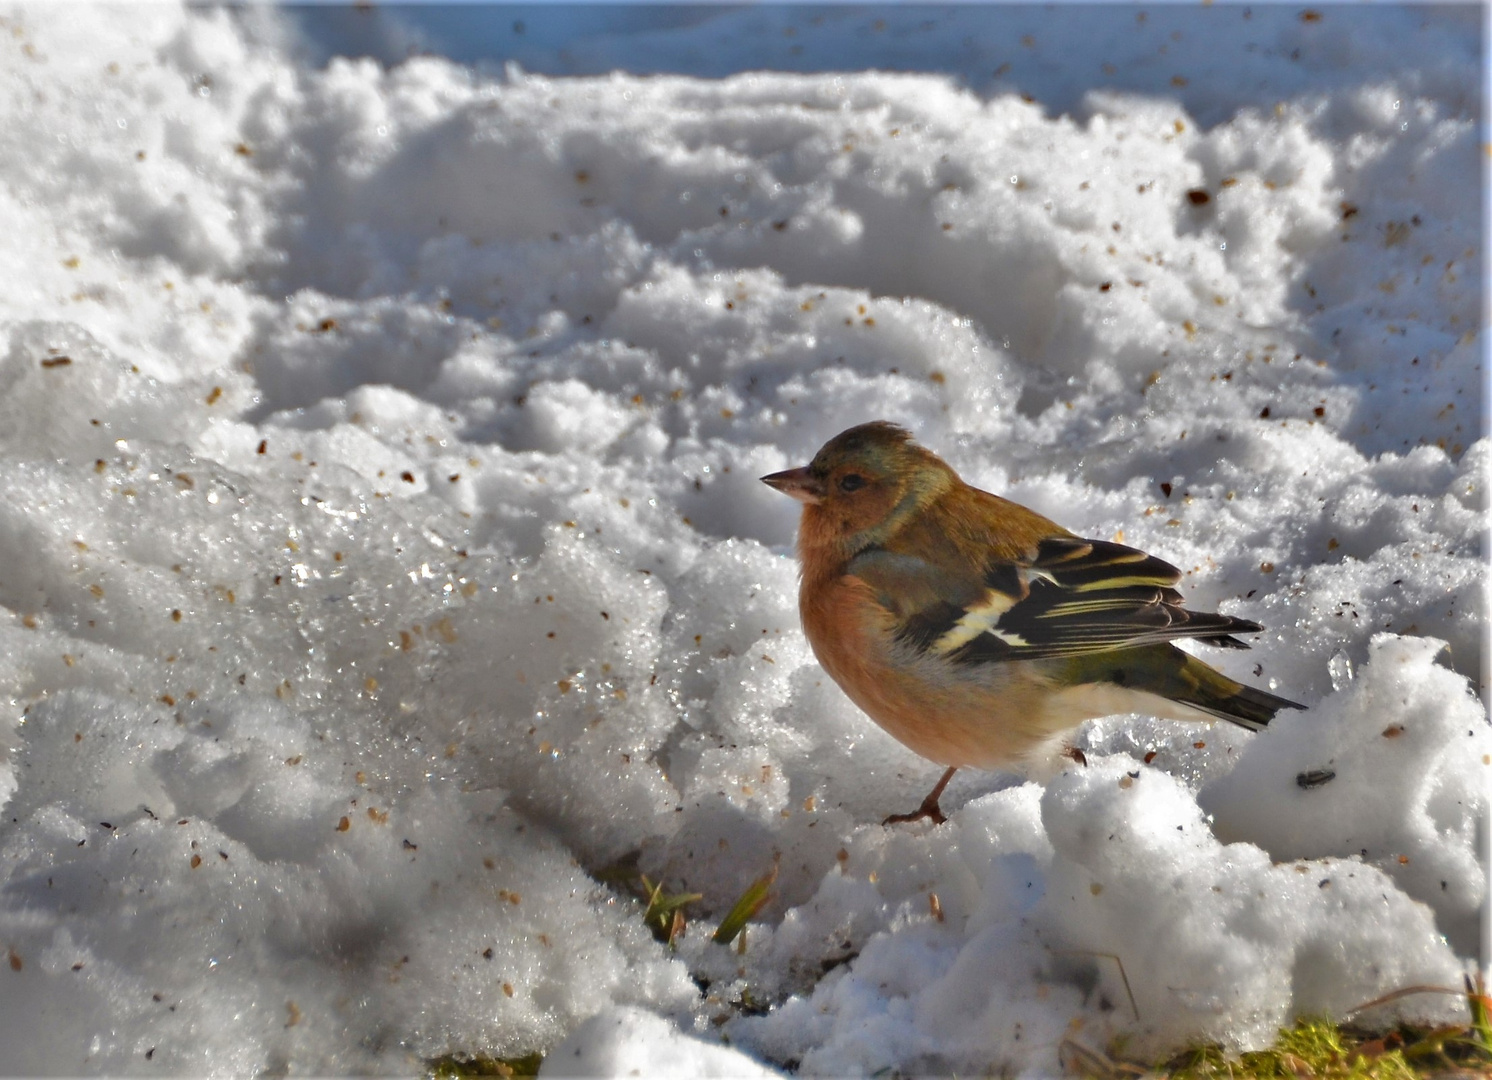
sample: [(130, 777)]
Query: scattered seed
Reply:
[(1314, 778)]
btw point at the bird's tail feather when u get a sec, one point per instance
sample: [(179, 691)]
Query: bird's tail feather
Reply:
[(1215, 693), (1166, 672)]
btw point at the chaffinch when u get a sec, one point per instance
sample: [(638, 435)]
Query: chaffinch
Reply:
[(976, 631)]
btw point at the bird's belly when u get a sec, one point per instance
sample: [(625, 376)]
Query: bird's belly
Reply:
[(992, 718), (953, 728)]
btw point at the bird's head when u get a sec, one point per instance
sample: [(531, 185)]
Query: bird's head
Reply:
[(861, 485)]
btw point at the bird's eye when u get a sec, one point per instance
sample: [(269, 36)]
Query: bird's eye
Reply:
[(852, 482)]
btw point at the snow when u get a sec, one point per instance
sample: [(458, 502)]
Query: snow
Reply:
[(385, 564), (623, 1041)]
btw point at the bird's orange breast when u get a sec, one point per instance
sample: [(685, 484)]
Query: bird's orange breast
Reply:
[(989, 722)]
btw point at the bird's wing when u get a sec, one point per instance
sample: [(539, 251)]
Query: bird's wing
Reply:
[(1069, 597)]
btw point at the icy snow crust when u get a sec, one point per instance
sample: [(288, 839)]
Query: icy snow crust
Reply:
[(384, 556)]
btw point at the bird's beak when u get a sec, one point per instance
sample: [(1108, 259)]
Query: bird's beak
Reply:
[(799, 483)]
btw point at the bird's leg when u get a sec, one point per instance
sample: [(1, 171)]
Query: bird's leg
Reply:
[(929, 807)]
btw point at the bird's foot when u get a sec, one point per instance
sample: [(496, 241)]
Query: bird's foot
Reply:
[(929, 807)]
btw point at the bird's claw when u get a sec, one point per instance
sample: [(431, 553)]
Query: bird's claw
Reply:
[(929, 809)]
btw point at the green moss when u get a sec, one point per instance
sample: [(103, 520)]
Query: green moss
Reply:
[(1320, 1048), (452, 1067), (1310, 1048)]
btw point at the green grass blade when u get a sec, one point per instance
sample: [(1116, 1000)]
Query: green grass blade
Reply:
[(751, 901)]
